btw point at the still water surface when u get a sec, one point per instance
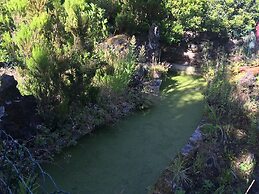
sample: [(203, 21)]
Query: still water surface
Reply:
[(128, 157)]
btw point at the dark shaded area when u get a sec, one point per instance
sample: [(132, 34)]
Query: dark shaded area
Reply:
[(194, 43), (18, 113)]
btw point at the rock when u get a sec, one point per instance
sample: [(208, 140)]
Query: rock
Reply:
[(196, 137), (185, 67), (187, 150), (153, 37), (193, 143), (190, 55), (248, 79), (190, 70), (21, 118), (156, 83), (154, 86), (119, 43), (7, 82), (8, 90), (18, 113)]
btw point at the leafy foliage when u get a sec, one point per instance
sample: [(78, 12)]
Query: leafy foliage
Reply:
[(180, 172), (53, 41), (227, 18), (117, 74), (137, 15), (234, 17), (183, 15)]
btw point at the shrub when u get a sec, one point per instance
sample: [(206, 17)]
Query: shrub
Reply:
[(53, 43), (117, 74), (227, 18), (236, 18), (182, 16), (111, 7), (85, 22), (136, 16), (180, 172)]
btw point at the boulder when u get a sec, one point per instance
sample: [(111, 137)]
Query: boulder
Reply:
[(193, 144), (155, 85), (8, 90), (7, 82), (18, 115), (118, 43), (187, 150), (196, 137), (20, 118)]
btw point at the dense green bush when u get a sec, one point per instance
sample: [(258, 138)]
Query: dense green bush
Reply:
[(236, 18), (136, 16), (224, 102), (118, 72), (183, 15), (53, 42), (233, 18), (227, 18), (131, 16), (111, 7)]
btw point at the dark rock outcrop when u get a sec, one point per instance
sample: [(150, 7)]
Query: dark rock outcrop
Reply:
[(193, 143), (18, 115), (8, 88)]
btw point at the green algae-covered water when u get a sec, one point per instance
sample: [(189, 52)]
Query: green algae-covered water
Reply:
[(128, 157)]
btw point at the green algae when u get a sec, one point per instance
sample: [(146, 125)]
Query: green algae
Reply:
[(128, 157)]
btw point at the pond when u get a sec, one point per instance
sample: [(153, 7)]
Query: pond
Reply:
[(128, 157)]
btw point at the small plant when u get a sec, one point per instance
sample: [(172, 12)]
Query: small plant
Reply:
[(157, 70), (247, 167), (208, 186), (198, 163), (211, 131), (227, 177), (142, 54), (180, 172), (117, 74)]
